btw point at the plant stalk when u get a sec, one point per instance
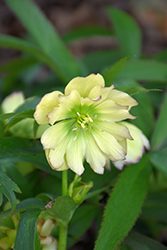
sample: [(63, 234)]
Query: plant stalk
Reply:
[(62, 229), (64, 182)]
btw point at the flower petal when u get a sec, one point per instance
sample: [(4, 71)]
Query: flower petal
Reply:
[(64, 166), (124, 145), (75, 153), (56, 133), (135, 148), (46, 105), (84, 84), (56, 156), (109, 145), (119, 164), (122, 98), (68, 107), (108, 165), (12, 102), (94, 156), (98, 90), (112, 112), (116, 116), (109, 106), (132, 128), (120, 132)]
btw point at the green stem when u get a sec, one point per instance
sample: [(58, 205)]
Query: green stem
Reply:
[(62, 229), (64, 182), (62, 238)]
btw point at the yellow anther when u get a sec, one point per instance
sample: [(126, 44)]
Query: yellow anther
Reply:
[(83, 126), (84, 120), (90, 119)]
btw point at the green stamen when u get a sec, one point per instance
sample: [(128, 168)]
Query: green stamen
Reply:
[(84, 121)]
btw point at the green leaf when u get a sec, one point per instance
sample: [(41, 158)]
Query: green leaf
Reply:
[(124, 205), (125, 247), (144, 113), (61, 209), (138, 242), (134, 90), (97, 61), (46, 37), (1, 198), (24, 206), (18, 117), (28, 47), (14, 149), (6, 116), (81, 221), (8, 223), (111, 74), (30, 203), (95, 193), (18, 64), (155, 206), (127, 32), (159, 136), (126, 83), (54, 187), (26, 234), (144, 70), (159, 159), (14, 69), (7, 188), (46, 197), (85, 31), (161, 56), (29, 104), (12, 171), (19, 44)]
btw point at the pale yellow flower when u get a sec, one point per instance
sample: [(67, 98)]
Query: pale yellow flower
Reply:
[(135, 147), (84, 124)]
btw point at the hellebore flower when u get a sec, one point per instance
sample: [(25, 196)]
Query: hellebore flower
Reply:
[(135, 147), (84, 124)]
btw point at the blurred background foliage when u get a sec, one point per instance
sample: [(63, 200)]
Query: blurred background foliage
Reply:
[(89, 33), (42, 52)]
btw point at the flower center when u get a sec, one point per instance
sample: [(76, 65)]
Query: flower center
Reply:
[(84, 120)]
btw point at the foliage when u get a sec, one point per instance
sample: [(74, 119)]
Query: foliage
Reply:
[(136, 197)]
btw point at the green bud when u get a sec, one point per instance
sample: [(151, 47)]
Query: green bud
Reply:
[(78, 189), (44, 228)]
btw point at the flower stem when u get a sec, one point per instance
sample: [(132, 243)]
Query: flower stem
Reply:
[(63, 229), (62, 238), (64, 182)]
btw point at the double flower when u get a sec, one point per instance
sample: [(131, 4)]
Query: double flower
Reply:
[(86, 123)]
